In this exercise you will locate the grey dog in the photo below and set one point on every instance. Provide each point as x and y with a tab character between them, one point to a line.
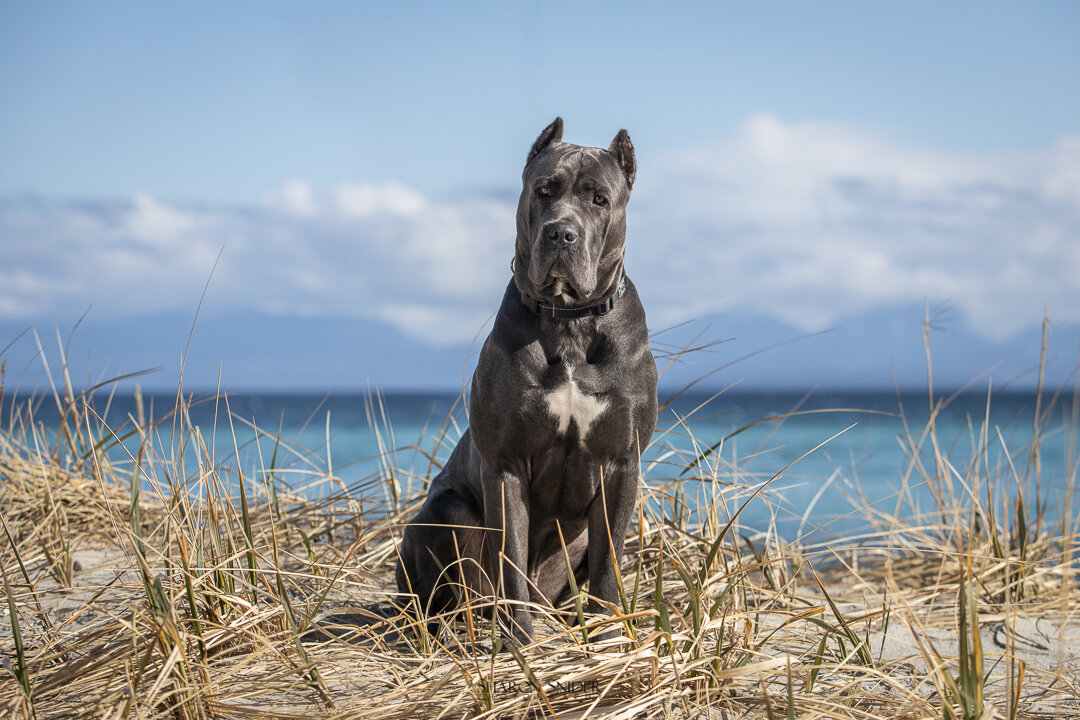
563	401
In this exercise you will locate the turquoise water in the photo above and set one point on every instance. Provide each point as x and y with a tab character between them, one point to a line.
351	438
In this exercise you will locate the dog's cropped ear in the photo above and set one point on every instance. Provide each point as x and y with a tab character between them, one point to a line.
623	150
552	134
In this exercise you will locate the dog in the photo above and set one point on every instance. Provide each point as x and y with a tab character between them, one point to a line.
563	401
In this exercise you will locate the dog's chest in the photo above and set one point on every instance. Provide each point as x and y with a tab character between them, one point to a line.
574	382
568	403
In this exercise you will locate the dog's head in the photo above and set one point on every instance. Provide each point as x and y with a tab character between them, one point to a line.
571	220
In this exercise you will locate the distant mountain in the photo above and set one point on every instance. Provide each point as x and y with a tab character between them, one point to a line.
260	352
880	349
251	351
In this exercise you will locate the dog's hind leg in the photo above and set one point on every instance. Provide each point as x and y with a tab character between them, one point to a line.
442	554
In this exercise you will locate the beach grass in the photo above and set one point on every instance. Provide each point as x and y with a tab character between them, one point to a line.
147	576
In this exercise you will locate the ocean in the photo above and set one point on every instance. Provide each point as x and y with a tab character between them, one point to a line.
835	453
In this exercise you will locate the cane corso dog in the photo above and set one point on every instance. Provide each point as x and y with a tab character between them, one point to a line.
563	401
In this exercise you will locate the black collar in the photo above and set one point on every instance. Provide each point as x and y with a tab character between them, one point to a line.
539	307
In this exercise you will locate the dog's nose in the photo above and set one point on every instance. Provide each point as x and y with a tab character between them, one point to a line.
561	232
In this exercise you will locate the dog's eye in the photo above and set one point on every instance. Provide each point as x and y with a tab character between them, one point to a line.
599	199
544	191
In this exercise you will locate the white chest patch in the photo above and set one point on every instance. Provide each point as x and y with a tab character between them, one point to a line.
567	403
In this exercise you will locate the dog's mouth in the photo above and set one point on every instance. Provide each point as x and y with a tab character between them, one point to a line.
560	275
557	284
560	288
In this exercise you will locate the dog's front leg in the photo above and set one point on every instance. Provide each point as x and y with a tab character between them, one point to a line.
608	522
506	511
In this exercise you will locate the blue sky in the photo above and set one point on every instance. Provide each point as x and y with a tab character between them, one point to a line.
802	167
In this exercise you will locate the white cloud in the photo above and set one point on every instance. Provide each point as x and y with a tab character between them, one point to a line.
814	223
807	223
384	252
152	222
1062	181
364	201
294	198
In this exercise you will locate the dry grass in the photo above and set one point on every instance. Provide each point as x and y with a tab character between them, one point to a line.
178	584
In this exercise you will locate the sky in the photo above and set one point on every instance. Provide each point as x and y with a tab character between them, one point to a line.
331	186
